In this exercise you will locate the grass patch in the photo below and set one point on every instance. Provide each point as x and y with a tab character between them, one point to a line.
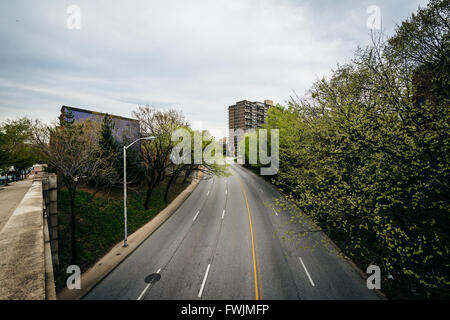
100	222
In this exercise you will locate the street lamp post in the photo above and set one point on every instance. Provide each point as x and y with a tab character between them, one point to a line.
125	243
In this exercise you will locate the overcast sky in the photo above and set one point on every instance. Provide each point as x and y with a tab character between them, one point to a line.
196	56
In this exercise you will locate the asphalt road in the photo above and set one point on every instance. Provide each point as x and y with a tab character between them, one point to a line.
226	242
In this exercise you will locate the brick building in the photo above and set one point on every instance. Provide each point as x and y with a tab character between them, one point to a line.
243	116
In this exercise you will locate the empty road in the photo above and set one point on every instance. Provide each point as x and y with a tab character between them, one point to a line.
224	242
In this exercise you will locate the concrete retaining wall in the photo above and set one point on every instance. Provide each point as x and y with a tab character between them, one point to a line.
50	192
26	270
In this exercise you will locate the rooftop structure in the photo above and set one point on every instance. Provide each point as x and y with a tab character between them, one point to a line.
123	127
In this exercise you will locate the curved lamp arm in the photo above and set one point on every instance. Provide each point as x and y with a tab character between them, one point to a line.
145	138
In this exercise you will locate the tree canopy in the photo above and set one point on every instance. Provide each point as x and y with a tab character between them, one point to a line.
365	155
15	146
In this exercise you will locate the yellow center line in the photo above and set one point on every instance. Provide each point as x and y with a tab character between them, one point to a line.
259	272
253	243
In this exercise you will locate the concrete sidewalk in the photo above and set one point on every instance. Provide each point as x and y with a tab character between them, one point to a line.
10	197
22	255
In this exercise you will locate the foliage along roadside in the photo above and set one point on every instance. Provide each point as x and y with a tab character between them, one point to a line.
365	155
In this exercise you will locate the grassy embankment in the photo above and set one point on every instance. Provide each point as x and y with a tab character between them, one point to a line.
100	221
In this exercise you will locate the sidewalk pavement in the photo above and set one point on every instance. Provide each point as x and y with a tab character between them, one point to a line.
10	197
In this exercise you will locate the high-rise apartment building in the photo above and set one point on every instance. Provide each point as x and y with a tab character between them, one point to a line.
243	116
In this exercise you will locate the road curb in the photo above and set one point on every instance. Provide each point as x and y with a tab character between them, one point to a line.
358	270
118	253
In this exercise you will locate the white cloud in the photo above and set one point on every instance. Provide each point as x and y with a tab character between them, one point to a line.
198	56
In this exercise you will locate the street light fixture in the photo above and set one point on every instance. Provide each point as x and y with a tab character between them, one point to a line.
125	243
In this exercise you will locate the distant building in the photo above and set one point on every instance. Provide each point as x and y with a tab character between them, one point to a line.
123	127
243	116
37	168
223	144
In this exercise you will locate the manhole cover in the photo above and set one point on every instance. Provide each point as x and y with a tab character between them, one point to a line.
152	278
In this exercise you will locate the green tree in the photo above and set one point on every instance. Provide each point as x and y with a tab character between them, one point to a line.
73	150
109	151
156	153
108	144
365	155
208	169
15	147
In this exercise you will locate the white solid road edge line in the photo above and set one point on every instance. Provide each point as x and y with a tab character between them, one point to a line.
146	287
307	273
204	281
207	193
275	211
196	215
223	214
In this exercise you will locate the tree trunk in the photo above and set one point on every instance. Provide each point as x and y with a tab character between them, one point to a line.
158	179
147	196
155	177
172	178
150	186
73	227
186	176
